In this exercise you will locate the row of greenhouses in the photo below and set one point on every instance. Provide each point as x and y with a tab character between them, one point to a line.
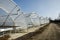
12	18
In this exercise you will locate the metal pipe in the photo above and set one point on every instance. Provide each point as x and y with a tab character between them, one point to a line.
8	16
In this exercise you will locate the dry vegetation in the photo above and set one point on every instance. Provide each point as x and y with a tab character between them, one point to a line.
5	37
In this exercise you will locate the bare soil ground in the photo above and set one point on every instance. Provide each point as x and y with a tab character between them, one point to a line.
50	32
26	32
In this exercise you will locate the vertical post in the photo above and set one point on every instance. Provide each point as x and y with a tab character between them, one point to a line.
3	32
40	20
10	32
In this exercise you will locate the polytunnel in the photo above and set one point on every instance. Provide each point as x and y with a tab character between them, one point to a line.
21	21
15	17
3	16
35	19
13	11
9	6
43	20
46	20
28	20
5	25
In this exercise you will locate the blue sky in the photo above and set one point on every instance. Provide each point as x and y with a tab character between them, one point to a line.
45	8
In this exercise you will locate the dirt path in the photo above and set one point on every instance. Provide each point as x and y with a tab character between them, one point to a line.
52	32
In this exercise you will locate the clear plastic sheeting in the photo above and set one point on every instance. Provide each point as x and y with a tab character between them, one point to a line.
9	21
43	20
5	29
21	21
46	20
2	12
11	14
9	6
35	19
58	18
28	20
3	16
